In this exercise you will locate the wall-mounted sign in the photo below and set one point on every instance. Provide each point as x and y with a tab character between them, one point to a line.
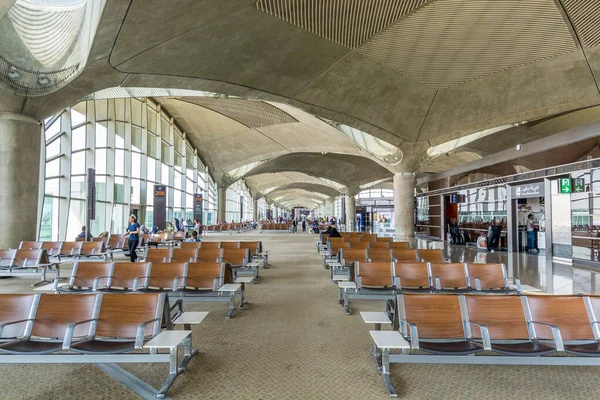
382	209
578	185
528	191
198	201
160	206
565	185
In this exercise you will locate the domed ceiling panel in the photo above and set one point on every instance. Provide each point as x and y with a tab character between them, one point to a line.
450	42
254	114
585	15
346	22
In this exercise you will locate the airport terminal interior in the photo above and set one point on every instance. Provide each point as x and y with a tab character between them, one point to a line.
299	199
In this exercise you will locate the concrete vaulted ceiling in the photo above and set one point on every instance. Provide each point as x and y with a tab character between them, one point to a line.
414	73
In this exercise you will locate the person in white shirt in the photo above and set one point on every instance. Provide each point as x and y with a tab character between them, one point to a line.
530	233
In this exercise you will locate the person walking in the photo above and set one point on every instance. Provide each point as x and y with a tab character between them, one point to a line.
304	225
133	232
530	233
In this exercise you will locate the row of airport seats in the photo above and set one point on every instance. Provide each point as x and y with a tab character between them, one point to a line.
228	227
101	329
27	263
286	226
76	249
384	280
464	329
183	281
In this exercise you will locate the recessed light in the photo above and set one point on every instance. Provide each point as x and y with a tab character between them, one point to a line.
323	152
43	80
14	74
518	147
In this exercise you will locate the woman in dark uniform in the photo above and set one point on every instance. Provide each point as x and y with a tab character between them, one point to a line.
133	231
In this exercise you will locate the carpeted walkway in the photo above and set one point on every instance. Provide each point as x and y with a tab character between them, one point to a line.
293	342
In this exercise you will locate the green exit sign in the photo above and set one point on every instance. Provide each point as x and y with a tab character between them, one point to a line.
578	185
565	185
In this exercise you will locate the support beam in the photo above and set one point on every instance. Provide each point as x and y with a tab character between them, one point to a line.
20	165
221	204
350	212
404	198
255	209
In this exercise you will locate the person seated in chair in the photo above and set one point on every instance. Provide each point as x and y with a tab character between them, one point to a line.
332	231
83	235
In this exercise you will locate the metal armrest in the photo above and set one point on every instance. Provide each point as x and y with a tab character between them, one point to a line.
176	281
397	283
71	330
477	284
485	334
358	282
438	284
519	287
96	282
139	337
414	334
2	325
558	342
136	282
55	284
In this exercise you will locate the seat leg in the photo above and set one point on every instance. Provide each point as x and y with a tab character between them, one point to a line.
385	373
232	307
346	303
340	299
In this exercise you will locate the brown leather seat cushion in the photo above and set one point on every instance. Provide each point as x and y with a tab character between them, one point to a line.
31	347
457	348
103	347
587	349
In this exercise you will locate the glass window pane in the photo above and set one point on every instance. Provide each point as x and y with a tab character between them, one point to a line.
101	161
52	187
119	190
53	168
120	135
177	181
152	147
53	149
49	222
136	139
178	162
78	163
78	114
53	129
120	109
101	188
76	218
135	191
165	130
136	112
120	162
101	109
150	194
151	117
166	153
149	216
136	165
78	187
78	138
118	220
101	134
178	142
99	224
151	169
165	174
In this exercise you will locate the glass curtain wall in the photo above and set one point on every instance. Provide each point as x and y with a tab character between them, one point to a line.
239	204
133	145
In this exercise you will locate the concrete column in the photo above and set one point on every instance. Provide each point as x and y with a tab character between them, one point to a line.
350	212
255	209
221	203
404	198
20	165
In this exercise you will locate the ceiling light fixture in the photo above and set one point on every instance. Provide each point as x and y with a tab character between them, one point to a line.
43	80
518	147
323	152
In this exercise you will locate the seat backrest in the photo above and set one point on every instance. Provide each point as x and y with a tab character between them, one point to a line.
451	276
100	239
437	316
229	245
159	255
385	239
335	240
431	255
28	245
91	248
7	257
405	255
336	246
178	235
324	237
84	274
56	312
16	307
28	257
379	255
120	315
254	247
567	312
379	245
116	242
52	248
375	274
399	245
359	245
184	255
210	255
125	273
353	255
412	274
368	237
209	245
163	275
71	248
190	245
490	276
236	256
503	315
202	275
